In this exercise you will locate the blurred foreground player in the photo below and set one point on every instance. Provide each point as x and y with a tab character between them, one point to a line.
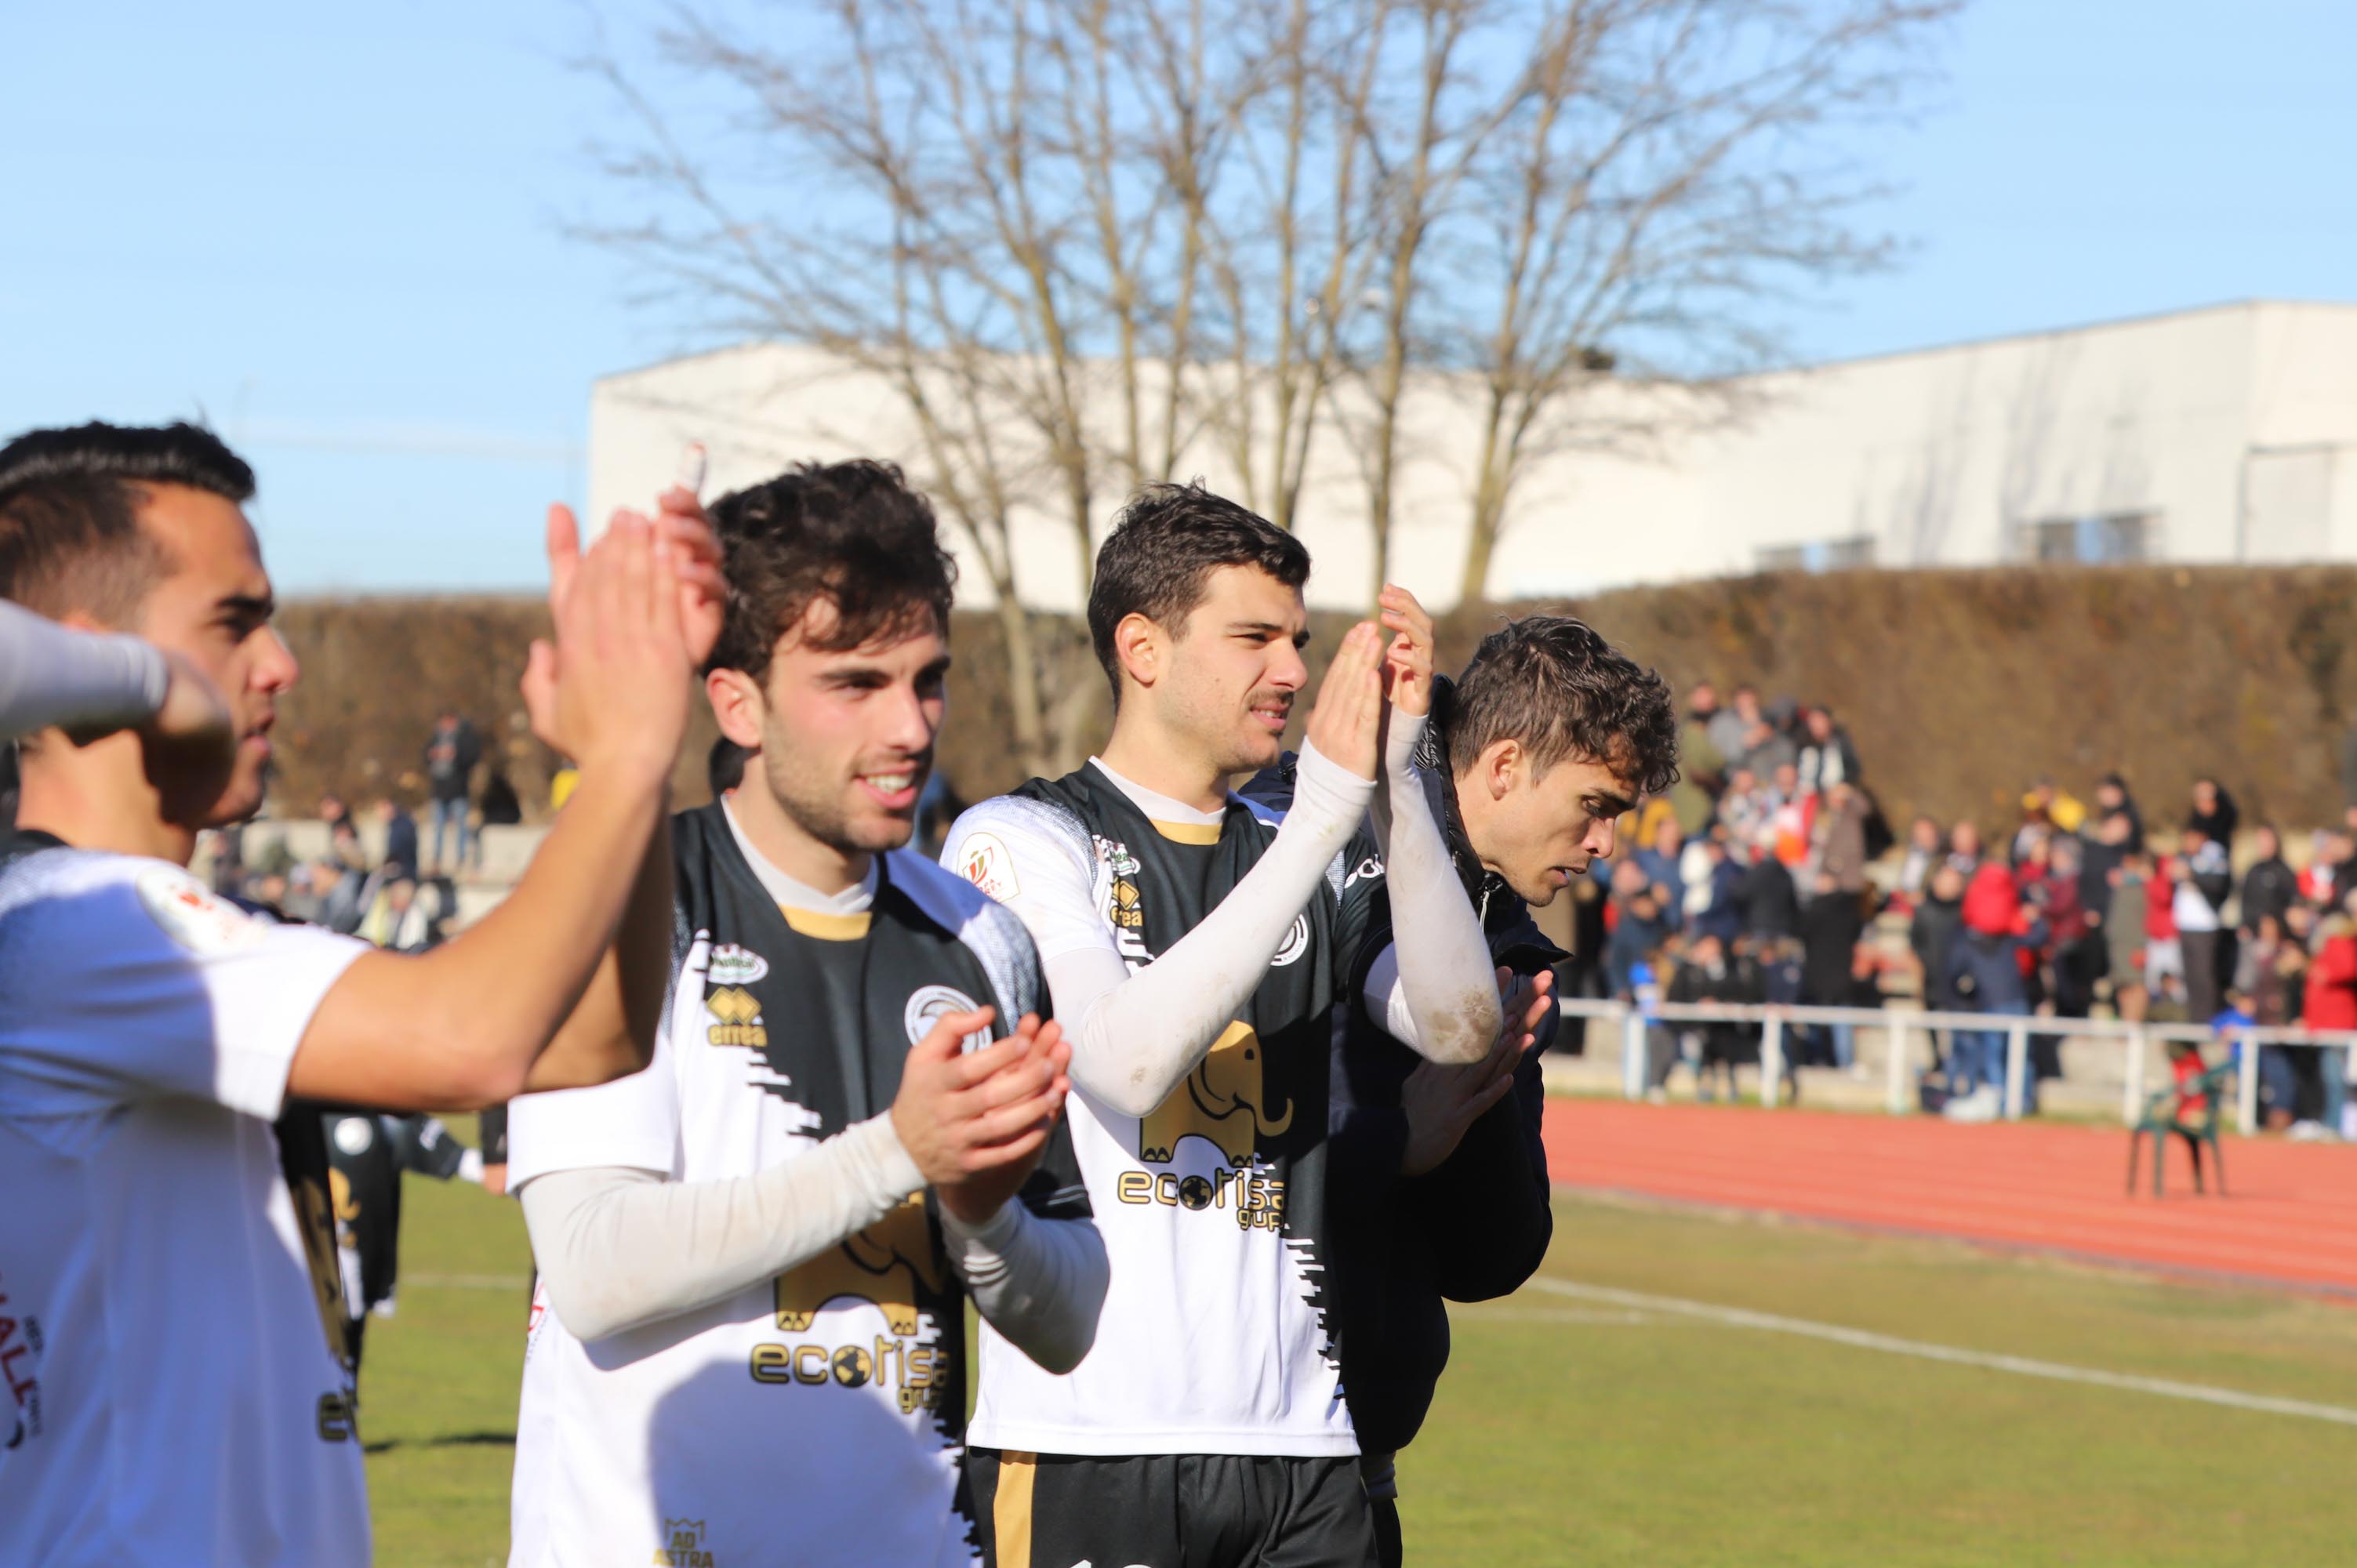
368	1154
1195	944
749	1343
1438	1183
150	1031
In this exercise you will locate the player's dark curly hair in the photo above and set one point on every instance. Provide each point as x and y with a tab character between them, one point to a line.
854	533
1550	682
1165	541
69	533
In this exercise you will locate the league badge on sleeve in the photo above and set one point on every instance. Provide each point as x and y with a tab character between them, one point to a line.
983	860
195	917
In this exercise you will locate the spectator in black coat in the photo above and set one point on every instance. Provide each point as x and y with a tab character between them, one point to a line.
1830	924
1827	759
451	753
2270	886
1709	972
2113	800
2214	813
2104	845
1932	936
400	839
1771	906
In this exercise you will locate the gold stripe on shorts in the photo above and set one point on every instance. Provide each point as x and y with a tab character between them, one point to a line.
1010	1510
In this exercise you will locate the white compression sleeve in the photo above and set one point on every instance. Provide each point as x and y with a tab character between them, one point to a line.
1138	1036
52	674
1446	991
619	1248
1040	1283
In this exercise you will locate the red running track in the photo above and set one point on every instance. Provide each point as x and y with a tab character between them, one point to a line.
2291	1218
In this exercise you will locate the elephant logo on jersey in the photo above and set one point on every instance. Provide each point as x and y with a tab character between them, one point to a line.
1223	1100
885	1265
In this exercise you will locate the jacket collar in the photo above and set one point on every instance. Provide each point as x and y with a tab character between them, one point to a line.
1485	888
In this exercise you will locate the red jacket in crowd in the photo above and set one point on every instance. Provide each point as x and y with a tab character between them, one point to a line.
2332	1001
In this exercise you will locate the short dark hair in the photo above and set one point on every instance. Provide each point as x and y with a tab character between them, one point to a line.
1552	684
853	533
69	533
1165	541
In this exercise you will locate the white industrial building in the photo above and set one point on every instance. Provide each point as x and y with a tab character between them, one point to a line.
2227	434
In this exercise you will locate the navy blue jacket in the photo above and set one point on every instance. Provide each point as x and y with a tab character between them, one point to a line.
1472	1229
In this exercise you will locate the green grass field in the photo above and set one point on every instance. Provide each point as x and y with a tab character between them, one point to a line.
1573	1431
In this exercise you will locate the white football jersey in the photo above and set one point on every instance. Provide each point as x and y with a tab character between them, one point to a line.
815	1419
1214	1337
172	1349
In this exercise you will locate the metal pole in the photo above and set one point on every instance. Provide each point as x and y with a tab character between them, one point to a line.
1894	1085
2132	1096
2247	1088
1772	1059
2016	1067
1632	1053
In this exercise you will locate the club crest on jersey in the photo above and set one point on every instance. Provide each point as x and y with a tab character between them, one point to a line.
736	1018
1225	1099
733	965
929	1003
984	861
1296	943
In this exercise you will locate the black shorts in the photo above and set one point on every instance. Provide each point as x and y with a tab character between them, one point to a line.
1170	1510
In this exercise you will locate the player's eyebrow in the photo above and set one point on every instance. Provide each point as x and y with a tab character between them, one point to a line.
1610	805
254	607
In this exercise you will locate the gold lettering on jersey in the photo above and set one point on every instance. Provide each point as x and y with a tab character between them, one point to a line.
1256	1200
890	1266
1223	1100
684	1546
736	1018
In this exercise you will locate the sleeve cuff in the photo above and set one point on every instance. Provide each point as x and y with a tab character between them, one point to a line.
1327	788
993	1235
893	1174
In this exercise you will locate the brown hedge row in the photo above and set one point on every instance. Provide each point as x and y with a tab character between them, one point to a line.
1958	687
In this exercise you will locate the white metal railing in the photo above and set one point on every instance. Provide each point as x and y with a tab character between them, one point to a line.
1901	1021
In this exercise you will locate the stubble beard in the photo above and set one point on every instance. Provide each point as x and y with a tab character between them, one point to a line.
824	814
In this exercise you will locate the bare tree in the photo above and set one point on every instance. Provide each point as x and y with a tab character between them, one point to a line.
1014	214
1091	244
1663	177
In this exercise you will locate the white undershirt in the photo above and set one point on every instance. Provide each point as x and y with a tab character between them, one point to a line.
1435	991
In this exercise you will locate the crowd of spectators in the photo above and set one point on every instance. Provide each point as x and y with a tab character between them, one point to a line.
405	896
1755	880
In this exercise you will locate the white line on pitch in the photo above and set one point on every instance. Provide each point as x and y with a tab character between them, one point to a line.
467	1281
2021	1366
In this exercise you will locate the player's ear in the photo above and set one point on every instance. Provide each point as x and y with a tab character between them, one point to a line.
1501	766
1142	647
738	705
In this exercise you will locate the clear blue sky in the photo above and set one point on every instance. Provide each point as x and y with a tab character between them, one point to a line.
335	232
